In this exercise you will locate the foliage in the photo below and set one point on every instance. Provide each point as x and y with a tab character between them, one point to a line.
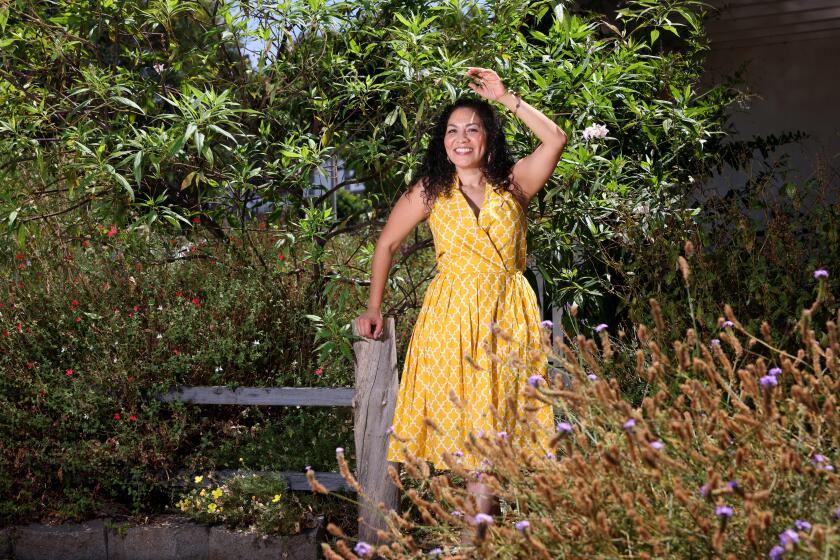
146	114
253	501
93	330
729	454
756	248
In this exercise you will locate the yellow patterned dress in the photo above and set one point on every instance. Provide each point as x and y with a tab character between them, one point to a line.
479	284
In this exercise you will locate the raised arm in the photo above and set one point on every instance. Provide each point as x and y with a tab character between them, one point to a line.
532	171
407	213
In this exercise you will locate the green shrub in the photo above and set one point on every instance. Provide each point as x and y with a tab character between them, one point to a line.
94	328
244	501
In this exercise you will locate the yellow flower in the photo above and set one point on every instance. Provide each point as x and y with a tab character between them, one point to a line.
198	479
276	498
202	493
212	508
217	493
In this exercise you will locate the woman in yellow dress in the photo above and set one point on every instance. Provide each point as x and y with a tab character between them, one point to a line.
474	197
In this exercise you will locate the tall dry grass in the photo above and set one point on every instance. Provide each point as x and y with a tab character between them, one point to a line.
731	454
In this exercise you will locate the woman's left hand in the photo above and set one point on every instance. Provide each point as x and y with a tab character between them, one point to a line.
486	83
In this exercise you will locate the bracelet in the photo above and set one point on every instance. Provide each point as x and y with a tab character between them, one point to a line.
518	102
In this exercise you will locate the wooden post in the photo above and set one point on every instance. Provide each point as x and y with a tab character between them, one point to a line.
373	414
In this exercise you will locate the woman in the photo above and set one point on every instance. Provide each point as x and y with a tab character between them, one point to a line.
474	197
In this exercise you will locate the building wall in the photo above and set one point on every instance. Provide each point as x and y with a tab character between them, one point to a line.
790	52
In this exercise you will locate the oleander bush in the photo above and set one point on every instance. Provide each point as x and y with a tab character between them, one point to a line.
730	453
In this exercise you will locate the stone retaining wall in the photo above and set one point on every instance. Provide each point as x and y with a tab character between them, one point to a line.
163	538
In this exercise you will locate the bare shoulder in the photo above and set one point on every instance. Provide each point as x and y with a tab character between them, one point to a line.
415	196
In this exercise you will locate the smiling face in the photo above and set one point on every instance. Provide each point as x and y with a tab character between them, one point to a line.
465	139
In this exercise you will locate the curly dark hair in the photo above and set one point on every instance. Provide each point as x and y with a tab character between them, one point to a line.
436	172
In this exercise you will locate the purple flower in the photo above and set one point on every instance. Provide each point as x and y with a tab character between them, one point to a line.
724	511
775	371
547	324
501	435
522	525
820	273
592	377
339	450
628	425
483	518
727	324
818	458
837	513
802	525
600	327
775	553
535	380
435	552
704	489
362	548
733	484
456	513
564	427
768	381
458	454
788	536
657	444
389	431
715	342
550	456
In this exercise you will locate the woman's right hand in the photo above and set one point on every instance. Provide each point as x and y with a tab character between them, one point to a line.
369	324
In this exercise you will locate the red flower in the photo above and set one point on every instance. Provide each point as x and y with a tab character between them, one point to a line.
113	231
68	372
130	379
78	319
29	365
5	333
117	416
136	308
74	303
281	256
176	352
20	327
19	257
319	371
196	301
133	418
85	243
130	314
179	294
196	220
22	266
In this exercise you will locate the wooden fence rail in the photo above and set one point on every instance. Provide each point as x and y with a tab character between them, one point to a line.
373	400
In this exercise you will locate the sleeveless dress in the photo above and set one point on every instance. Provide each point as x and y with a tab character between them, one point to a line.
479	284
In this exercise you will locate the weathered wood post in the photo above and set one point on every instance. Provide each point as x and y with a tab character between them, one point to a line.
373	414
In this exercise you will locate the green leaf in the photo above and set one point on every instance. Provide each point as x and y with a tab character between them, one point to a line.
654	35
128	103
138	167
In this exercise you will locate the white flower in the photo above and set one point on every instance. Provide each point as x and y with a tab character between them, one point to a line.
595	131
256	343
159	68
159	336
218	369
160	308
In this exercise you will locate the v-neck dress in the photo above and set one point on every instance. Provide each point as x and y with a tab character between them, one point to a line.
478	300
